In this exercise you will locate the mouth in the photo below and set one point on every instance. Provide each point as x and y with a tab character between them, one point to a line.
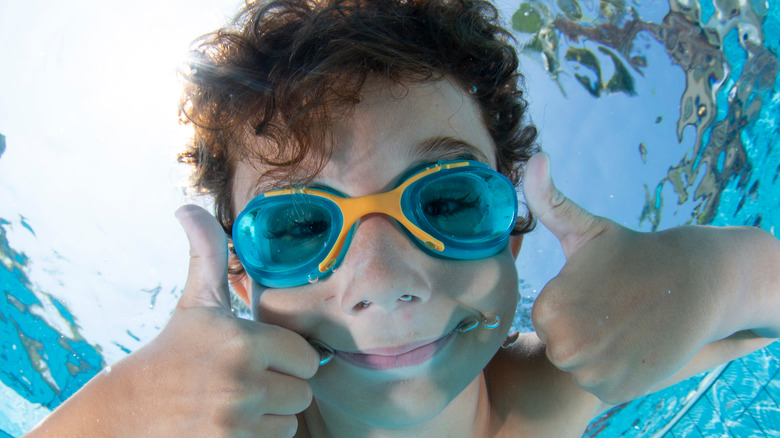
386	358
396	357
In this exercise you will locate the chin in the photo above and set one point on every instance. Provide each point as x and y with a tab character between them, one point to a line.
392	404
407	396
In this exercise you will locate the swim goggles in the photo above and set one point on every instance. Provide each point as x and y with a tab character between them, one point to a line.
461	210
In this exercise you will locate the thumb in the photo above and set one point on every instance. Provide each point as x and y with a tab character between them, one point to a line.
571	224
206	284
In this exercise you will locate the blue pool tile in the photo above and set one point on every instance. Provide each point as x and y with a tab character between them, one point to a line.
685	428
744	384
774	348
772	354
706	419
773	388
762	363
745	427
725	402
766	414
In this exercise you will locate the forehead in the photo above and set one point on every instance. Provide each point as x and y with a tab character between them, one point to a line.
392	128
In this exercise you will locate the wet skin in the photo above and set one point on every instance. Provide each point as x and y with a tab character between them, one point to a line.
390	131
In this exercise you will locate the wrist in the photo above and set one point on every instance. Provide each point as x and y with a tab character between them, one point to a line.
754	264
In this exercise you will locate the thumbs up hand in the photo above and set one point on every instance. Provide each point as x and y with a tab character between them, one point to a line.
210	374
628	309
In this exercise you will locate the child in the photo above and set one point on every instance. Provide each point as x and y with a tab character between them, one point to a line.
405	118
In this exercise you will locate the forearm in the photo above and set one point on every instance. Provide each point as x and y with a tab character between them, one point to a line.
92	411
744	283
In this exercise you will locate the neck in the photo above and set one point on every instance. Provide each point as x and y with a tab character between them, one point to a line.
467	415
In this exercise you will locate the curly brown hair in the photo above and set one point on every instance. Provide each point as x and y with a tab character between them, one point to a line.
282	70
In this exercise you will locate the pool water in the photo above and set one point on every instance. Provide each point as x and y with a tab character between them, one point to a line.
655	114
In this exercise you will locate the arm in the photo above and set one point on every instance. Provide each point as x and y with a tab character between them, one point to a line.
634	312
81	414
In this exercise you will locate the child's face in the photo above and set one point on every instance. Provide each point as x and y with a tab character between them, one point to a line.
379	142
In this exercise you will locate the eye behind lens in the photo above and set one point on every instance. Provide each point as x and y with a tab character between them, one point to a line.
471	210
281	240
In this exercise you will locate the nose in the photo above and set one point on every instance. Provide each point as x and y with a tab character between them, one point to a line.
383	268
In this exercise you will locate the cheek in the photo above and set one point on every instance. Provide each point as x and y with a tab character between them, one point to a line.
504	296
488	284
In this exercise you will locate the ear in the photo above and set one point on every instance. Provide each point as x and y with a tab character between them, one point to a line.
515	242
242	285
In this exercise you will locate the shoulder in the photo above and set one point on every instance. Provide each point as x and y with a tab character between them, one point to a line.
528	393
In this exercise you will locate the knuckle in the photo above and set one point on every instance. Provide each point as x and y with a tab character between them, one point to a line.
540	312
262	395
544	308
556	200
238	344
546	313
563	358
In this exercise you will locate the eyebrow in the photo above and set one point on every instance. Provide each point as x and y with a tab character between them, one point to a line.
446	148
267	184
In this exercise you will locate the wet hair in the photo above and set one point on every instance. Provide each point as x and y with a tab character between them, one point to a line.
282	71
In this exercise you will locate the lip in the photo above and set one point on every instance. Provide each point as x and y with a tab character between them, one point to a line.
396	357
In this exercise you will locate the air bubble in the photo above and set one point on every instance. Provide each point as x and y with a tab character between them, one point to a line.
491	321
326	353
467	325
511	339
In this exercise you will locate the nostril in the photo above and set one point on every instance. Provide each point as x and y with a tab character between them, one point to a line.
362	305
365	304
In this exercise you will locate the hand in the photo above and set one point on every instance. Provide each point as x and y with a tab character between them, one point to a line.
208	373
628	309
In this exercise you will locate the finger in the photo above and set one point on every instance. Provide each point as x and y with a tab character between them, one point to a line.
250	425
206	284
286	352
569	222
281	426
277	394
